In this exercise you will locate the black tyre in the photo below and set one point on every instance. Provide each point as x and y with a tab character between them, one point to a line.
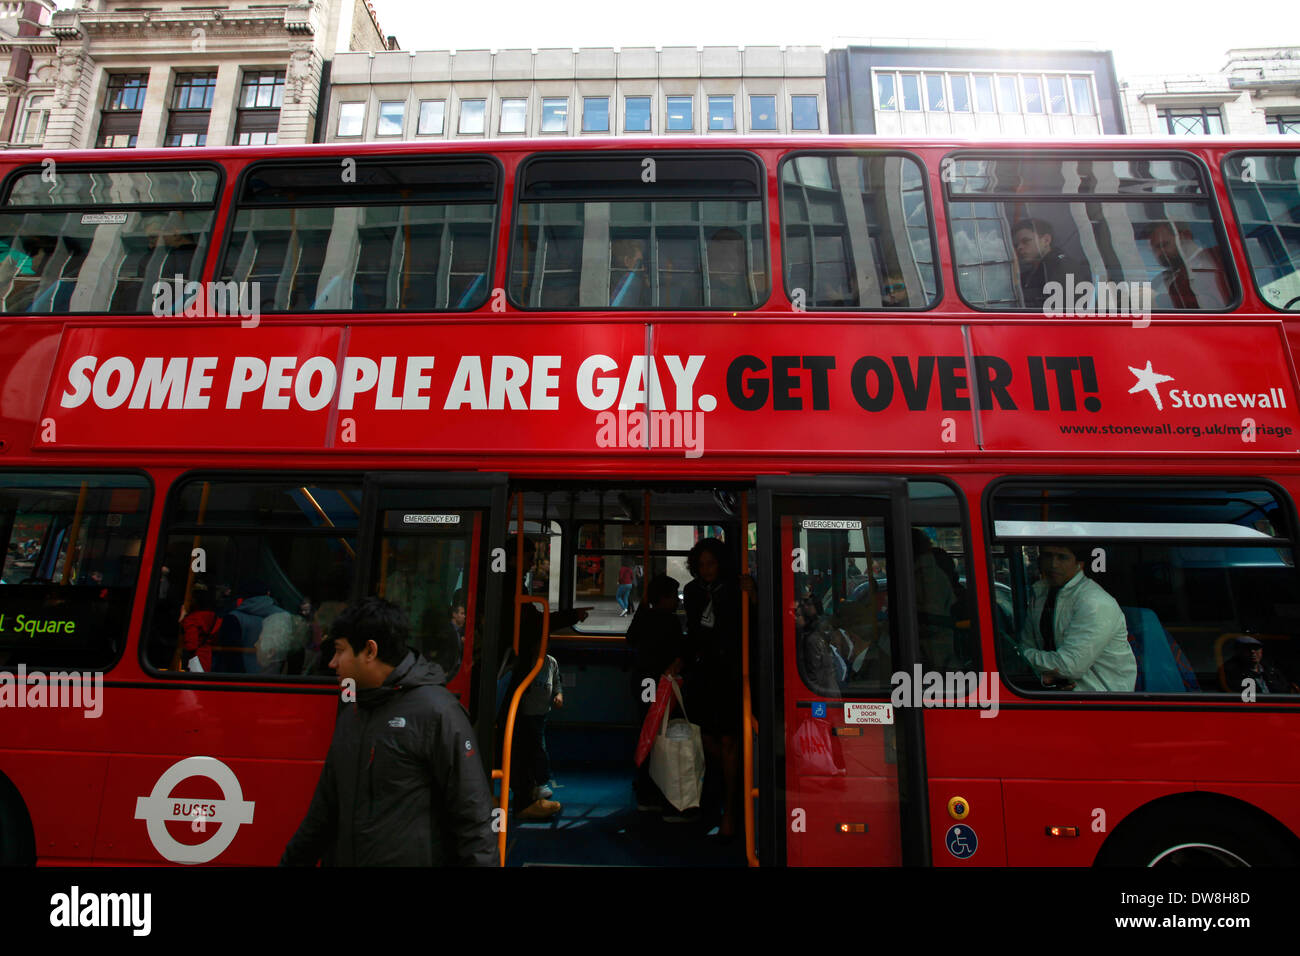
1181	839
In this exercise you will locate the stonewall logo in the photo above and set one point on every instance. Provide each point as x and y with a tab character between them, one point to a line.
1149	380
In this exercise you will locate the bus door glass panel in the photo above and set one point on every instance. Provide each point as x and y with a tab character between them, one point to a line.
430	561
843	739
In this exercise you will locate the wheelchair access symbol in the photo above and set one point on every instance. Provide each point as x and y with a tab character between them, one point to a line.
962	842
228	812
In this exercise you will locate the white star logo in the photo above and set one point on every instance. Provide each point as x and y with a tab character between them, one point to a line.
1147	380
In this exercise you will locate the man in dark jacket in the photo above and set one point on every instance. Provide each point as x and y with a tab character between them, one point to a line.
403	783
1041	264
655	636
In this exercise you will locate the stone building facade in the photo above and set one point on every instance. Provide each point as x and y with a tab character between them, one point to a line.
114	74
1257	93
477	94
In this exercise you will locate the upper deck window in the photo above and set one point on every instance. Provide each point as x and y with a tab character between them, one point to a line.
98	240
856	232
1082	235
1265	191
612	232
385	235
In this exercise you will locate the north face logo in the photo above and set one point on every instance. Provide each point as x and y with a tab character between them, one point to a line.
397	722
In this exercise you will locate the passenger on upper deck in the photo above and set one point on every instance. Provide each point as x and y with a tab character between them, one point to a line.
1040	263
629	285
1194	277
1074	634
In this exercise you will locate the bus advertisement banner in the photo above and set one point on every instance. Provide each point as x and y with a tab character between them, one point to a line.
706	388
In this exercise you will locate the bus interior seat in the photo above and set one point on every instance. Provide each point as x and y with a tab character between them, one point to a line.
1162	666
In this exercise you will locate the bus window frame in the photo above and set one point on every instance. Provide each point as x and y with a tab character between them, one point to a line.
588	155
222	248
1241	236
1193	700
36	468
1210	196
167	522
7	185
939	289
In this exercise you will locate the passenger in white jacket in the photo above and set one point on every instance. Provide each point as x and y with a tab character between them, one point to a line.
1084	641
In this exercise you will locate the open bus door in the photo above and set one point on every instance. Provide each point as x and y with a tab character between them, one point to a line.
427	545
841	771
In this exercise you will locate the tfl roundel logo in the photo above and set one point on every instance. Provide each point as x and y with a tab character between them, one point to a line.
225	814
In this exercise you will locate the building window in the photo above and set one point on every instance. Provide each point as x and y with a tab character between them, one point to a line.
934	98
636	118
352	119
1056	100
120	123
555	116
804	113
911	84
433	114
1033	94
1081	87
984	94
1200	121
392	114
680	119
762	112
1284	124
514	116
36	118
722	112
1008	98
471	116
885	96
191	107
257	120
960	93
595	114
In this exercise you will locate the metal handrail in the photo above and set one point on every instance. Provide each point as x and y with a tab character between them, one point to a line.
508	741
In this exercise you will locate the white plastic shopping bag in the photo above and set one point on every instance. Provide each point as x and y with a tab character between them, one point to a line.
677	760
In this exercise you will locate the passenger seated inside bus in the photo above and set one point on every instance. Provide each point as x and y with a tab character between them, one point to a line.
1248	664
1042	263
1193	276
629	285
1074	635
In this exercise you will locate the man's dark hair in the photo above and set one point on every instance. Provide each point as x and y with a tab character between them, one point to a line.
374	619
458	599
1081	550
1039	226
661	586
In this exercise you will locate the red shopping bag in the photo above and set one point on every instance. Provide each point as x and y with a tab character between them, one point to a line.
663	699
816	751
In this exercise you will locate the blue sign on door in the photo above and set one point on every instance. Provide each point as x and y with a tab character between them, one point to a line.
819	708
961	841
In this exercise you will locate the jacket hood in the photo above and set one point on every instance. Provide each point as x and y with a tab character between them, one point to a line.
414	671
261	606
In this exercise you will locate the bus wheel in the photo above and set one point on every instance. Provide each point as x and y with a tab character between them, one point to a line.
17	842
1204	833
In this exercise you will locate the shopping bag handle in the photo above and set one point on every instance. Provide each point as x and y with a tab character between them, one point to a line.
677	692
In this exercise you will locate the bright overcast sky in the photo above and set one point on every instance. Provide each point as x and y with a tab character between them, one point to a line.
1146	38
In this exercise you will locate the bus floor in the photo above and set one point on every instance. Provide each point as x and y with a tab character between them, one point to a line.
601	826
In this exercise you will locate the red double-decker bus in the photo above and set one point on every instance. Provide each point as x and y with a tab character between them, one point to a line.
897	379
